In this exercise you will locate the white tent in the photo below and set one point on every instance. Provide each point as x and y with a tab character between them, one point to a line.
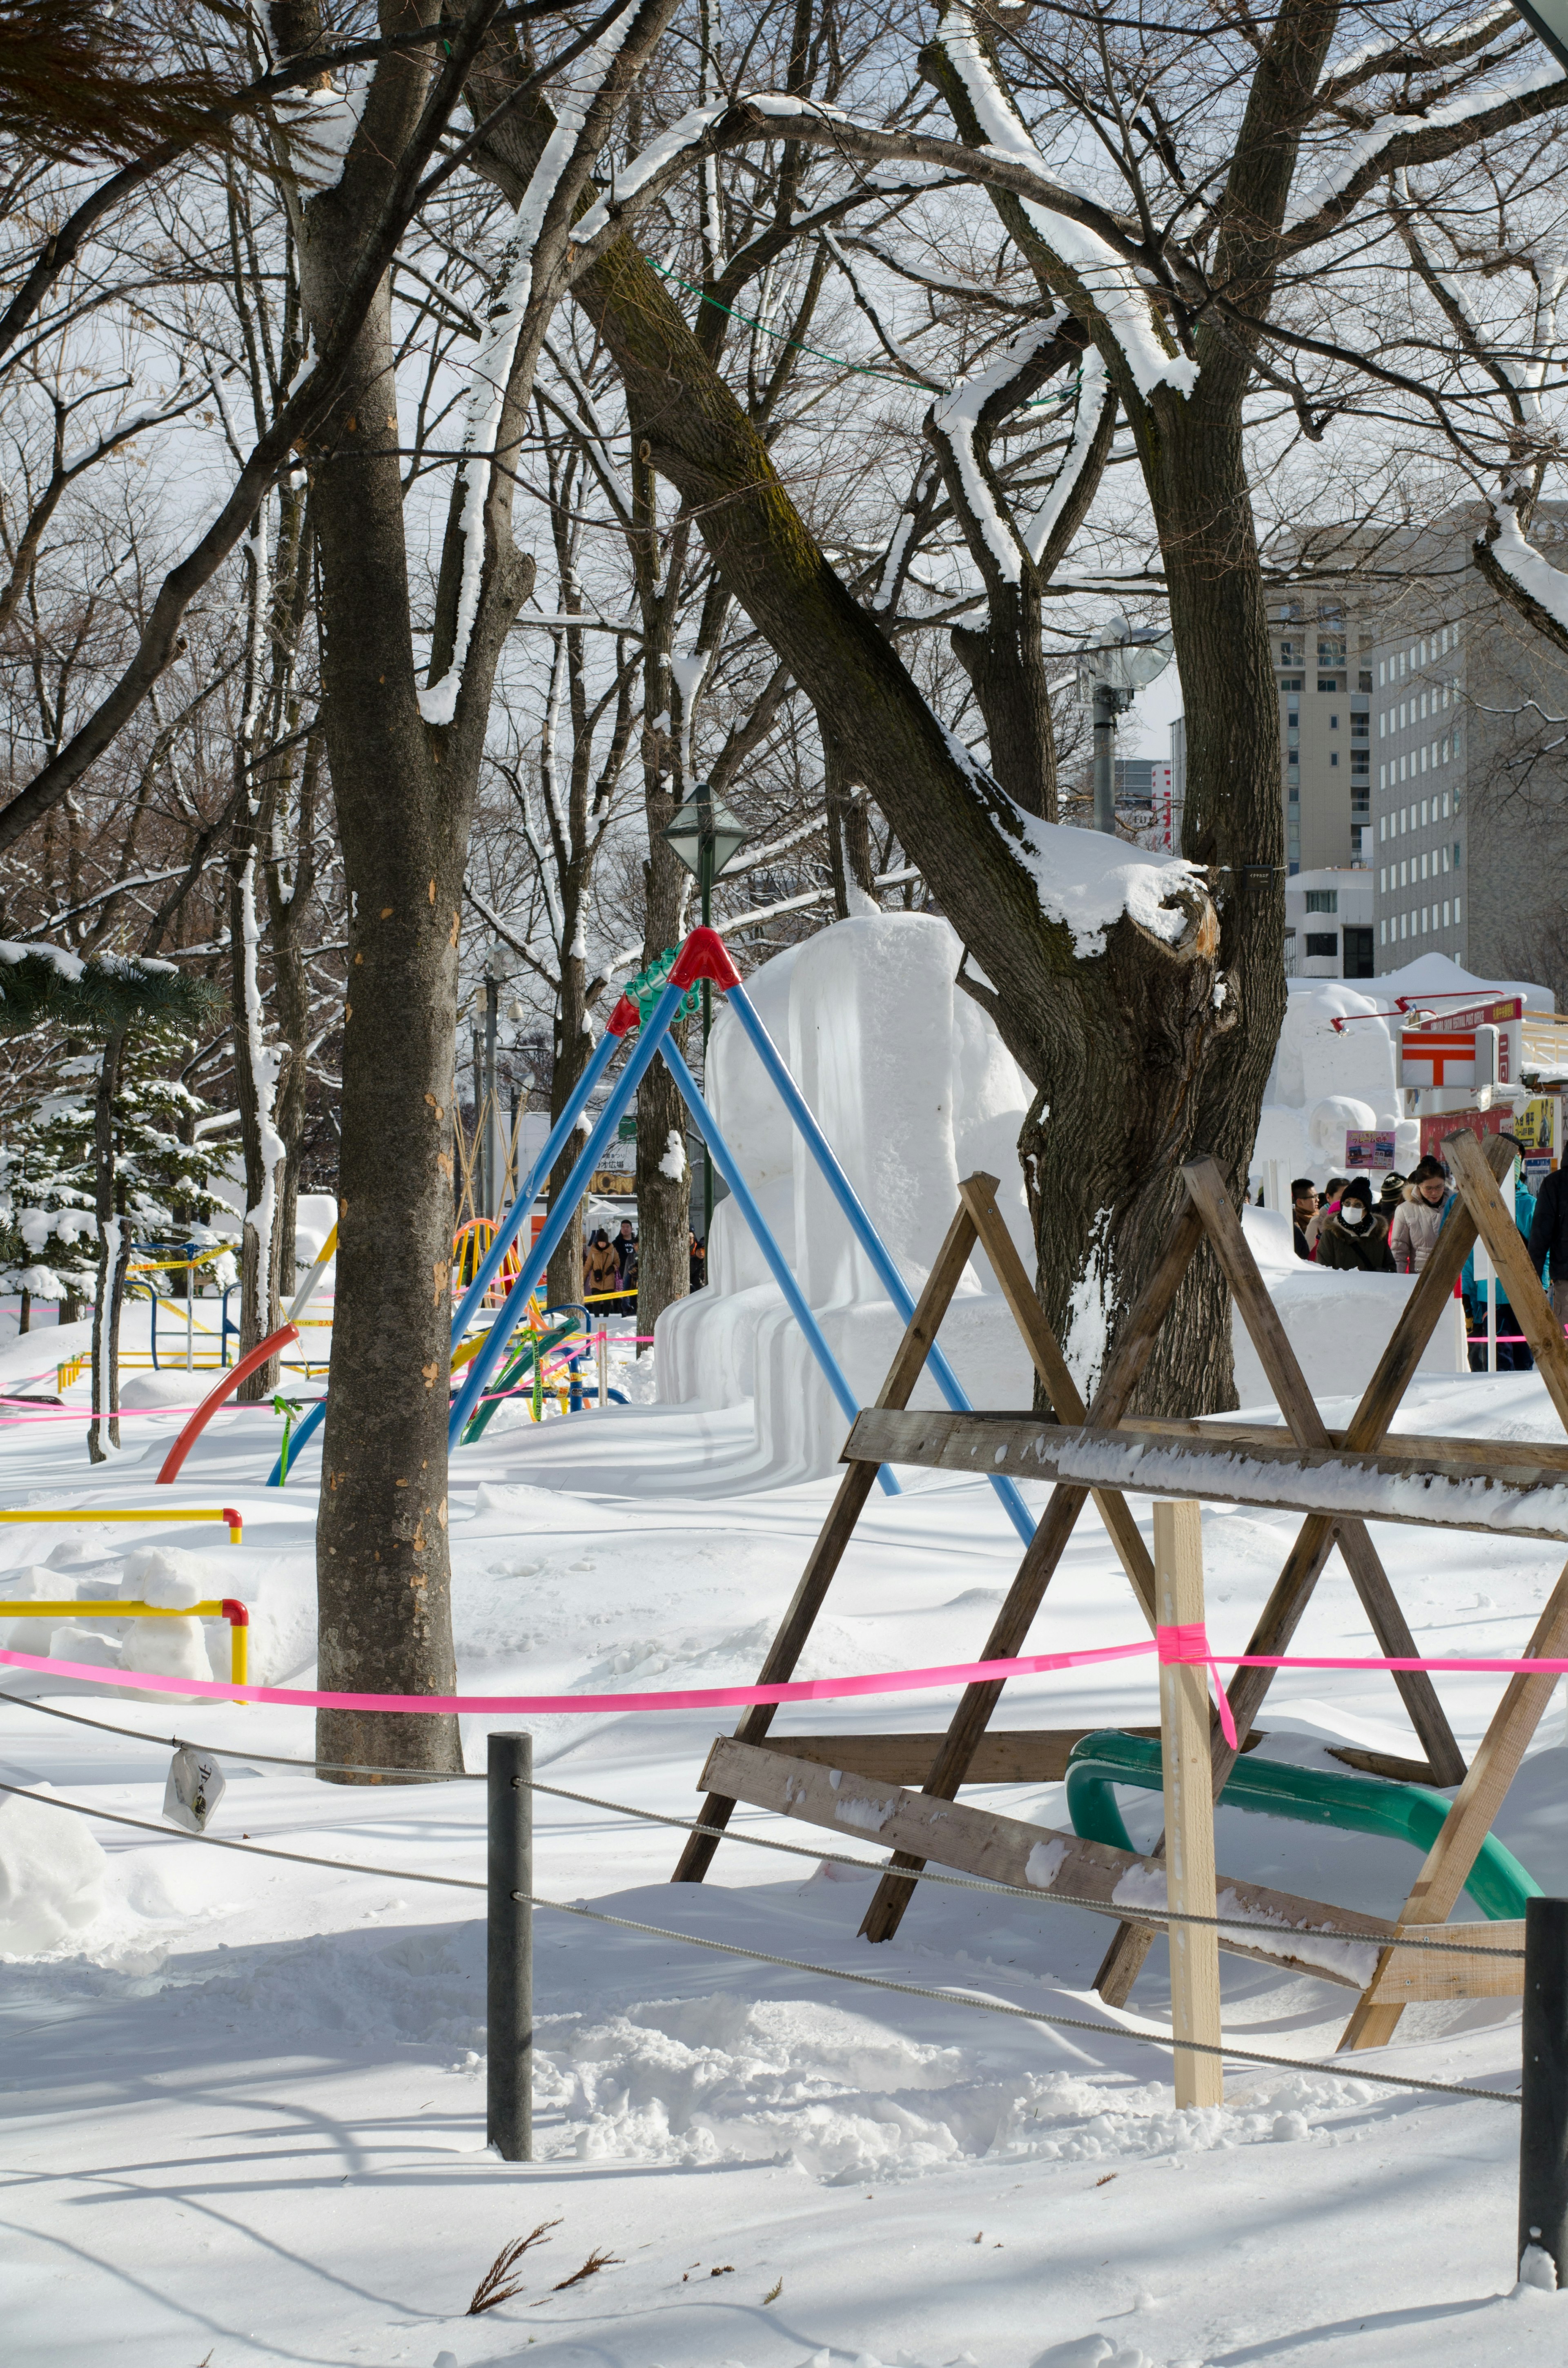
1436	976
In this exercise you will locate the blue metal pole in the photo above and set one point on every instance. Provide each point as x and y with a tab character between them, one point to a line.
484	1360
718	1150
604	1053
860	1225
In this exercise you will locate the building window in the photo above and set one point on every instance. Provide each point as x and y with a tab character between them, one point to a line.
1382	671
1445	858
1291	653
1382	777
1404	875
1322	941
1333	756
1360	727
1423	813
1383	880
1458	900
1447	908
1403	820
1404	925
1289	682
1323	900
1383	933
1328	682
1361	763
1382	723
1333	722
1445	805
1402	768
1358	953
1422	867
1383	819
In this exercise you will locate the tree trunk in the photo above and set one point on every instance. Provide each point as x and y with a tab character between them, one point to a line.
114	1252
564	1280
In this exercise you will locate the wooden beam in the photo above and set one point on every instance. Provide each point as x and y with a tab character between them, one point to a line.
1449	1862
863	1813
978	1194
1399	1447
1520	1284
1190	1809
1003	1756
1123	1370
795	1628
1315	1540
1418	1976
1308	1429
1466	1494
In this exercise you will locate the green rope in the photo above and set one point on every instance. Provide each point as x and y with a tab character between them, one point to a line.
862	370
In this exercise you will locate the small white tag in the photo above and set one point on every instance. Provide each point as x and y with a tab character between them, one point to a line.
194	1789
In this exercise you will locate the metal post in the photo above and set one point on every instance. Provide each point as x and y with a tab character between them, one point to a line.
1543	2095
1105	757
492	1100
509	1952
705	884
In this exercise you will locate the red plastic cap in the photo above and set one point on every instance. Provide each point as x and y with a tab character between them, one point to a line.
704	955
624	1018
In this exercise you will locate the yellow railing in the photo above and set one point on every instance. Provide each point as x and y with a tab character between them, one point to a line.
229	1608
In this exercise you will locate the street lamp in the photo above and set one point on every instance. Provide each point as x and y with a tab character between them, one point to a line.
706	838
1112	671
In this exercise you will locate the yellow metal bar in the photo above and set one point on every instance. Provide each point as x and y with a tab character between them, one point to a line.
224	1513
114	1608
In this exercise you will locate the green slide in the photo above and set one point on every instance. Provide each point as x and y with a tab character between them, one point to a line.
1408	1813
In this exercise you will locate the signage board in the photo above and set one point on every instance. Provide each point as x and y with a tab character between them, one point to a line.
626	1130
1537	1125
1480	1123
1538	1167
1475	1014
1365	1147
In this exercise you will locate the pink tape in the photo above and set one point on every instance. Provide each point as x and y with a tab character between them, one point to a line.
888	1681
892	1681
1187	1642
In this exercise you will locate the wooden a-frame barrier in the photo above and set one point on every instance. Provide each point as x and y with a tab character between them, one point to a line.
1086	1452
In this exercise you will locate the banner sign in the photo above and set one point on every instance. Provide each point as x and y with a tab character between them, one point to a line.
1480	1123
1536	1125
1365	1147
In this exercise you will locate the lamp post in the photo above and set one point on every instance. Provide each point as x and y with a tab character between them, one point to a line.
1111	672
706	838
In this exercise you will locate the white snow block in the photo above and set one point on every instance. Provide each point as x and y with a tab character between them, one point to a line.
1338	1326
51	1876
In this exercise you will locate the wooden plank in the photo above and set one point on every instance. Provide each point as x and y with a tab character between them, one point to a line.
1467	1823
978	1194
1522	1285
1123	1372
799	1620
1314	1542
1288	1478
1399	1447
1207	1185
1003	1756
1418	1976
863	1813
1190	1809
1423	1311
1382	1763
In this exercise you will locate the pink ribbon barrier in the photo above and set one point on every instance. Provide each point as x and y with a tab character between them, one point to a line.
892	1681
1187	1644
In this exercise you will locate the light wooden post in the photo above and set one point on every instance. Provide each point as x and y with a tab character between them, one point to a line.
1189	1807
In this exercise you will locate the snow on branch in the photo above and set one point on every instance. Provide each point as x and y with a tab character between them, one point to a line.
497	351
1110	282
1365	155
957	420
1513	567
1086	420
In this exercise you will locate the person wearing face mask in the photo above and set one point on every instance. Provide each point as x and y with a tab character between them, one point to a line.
1420	1216
1353	1237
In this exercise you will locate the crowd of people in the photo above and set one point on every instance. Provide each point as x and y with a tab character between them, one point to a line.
609	1266
1343	1227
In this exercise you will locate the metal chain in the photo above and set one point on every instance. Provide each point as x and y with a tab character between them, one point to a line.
765	1957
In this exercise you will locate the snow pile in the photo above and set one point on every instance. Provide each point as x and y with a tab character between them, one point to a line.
173	1578
914	1089
1090	882
51	1876
1325	1080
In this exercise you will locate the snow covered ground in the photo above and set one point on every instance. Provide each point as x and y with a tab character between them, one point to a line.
243	2101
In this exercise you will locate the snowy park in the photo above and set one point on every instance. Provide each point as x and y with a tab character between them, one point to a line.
783	1209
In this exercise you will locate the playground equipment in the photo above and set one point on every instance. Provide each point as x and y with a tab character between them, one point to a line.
248	1365
1338	1482
227	1514
227	1608
703	958
1315	1796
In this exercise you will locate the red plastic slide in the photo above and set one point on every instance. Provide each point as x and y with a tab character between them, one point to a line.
227	1383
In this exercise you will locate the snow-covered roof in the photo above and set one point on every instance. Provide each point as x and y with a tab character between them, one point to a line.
1435	974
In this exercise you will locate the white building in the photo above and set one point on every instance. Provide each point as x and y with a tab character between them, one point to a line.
1330	924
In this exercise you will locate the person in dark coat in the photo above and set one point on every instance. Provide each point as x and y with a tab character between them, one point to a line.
1549	1240
1303	1208
1353	1237
697	1255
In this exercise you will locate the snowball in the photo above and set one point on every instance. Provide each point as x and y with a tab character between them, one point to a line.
171	1576
51	1876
